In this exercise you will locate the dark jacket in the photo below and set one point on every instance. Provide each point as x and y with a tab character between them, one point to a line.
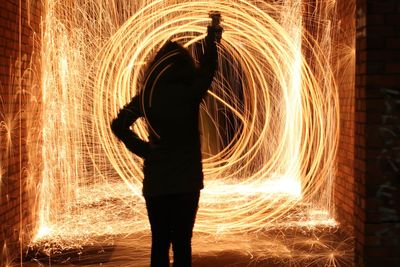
170	102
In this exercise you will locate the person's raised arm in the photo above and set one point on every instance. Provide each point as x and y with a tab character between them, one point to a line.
209	59
120	126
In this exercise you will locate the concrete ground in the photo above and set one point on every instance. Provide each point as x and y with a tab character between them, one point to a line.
284	247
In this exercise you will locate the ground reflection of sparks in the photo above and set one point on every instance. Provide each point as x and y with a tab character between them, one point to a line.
270	124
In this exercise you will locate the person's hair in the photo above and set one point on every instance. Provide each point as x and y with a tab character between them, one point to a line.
172	63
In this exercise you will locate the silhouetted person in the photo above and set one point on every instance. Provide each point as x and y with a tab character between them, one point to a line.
173	177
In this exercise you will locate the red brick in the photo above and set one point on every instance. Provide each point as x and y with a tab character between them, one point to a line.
361	44
380	251
375	42
392	68
361	117
372	241
383	55
392	19
376	67
381	7
361	68
382	261
362	56
376	19
393	43
381	81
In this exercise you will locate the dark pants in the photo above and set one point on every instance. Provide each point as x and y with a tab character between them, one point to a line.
172	219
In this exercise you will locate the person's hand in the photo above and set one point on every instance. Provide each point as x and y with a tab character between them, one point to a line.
215	32
215	29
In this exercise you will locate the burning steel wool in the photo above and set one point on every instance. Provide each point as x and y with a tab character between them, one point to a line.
269	124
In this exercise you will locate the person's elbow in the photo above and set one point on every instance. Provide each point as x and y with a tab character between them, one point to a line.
117	128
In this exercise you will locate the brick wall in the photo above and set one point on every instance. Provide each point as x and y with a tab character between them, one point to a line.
377	120
344	56
19	20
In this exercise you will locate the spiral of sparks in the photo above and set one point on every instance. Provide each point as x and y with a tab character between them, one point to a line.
269	123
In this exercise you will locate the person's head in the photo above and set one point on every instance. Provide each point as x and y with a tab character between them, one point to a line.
172	64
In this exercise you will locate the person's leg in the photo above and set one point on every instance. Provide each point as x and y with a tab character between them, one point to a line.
184	215
157	210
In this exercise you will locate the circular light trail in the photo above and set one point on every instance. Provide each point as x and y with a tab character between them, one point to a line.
269	122
286	143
